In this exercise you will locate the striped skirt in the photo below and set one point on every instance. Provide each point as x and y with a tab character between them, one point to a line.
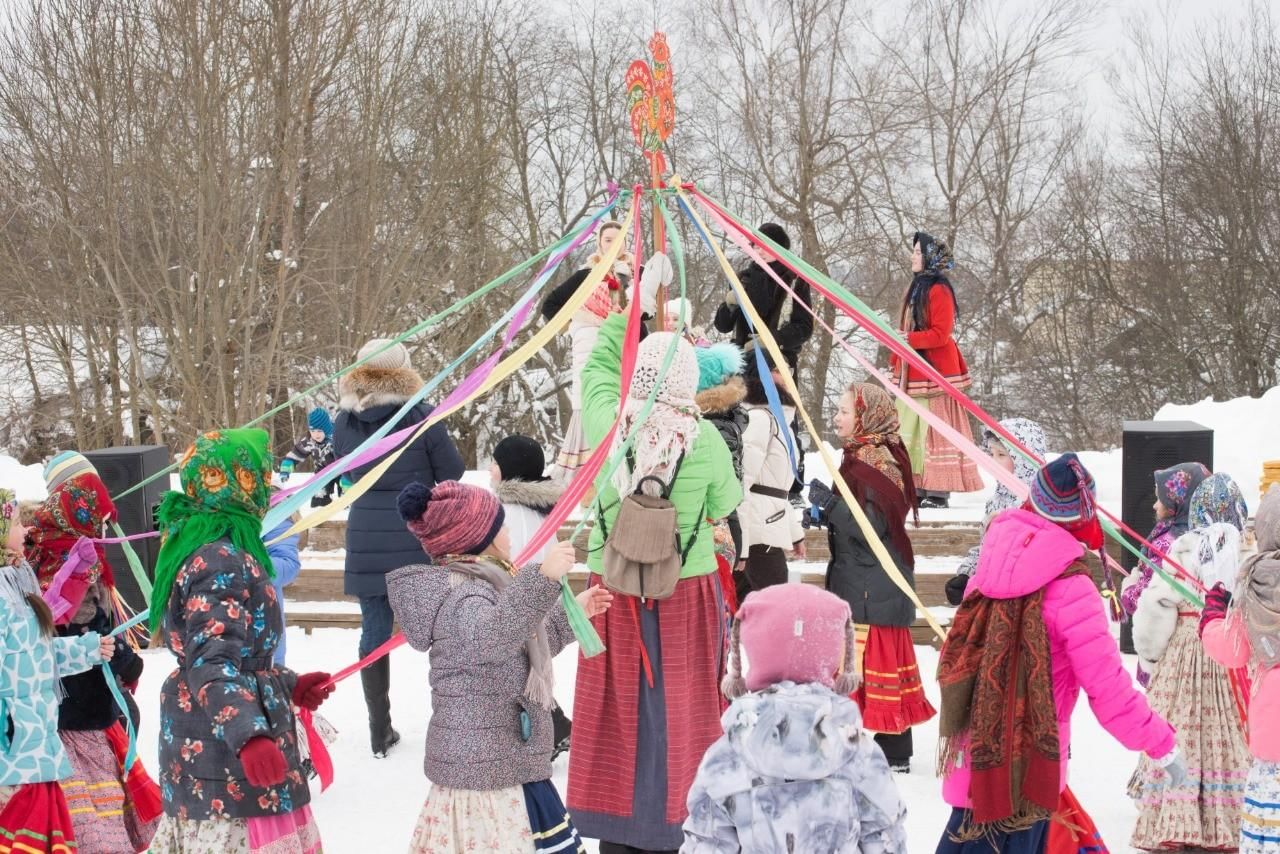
938	465
1260	825
34	820
891	696
104	817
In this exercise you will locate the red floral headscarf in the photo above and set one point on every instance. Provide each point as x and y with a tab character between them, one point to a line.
77	508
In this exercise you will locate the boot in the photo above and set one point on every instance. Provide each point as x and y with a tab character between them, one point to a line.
376	681
561	728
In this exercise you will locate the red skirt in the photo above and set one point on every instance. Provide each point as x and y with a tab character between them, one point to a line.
891	696
36	819
602	763
1072	831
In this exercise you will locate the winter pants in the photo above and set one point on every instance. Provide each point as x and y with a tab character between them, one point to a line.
376	620
766	566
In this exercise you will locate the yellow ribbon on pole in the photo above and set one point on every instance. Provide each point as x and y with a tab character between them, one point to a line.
500	372
771	346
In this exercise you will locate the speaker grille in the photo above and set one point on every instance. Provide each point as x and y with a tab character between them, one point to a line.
1148	447
120	469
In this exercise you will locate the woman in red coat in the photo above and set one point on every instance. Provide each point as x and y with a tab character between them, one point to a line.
928	323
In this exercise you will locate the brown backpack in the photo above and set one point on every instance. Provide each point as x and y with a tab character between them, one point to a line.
642	554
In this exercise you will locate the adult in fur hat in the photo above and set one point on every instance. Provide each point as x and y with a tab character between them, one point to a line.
928	320
377	541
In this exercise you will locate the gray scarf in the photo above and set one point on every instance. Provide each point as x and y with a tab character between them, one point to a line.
539	687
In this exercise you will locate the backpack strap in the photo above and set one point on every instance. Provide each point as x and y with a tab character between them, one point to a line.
693	538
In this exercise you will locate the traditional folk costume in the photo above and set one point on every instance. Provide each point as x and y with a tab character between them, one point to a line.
928	321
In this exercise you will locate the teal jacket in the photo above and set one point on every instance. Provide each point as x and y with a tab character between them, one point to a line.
31	663
706	477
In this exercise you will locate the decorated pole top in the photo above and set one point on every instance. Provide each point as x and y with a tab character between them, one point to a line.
651	106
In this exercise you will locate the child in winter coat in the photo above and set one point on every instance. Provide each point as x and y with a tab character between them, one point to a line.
316	446
112	811
1031	435
1174	488
794	770
33	811
876	468
491	631
1031	633
287	563
1244	630
770	525
528	496
1193	692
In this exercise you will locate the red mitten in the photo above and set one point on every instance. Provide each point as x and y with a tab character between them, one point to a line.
263	762
311	691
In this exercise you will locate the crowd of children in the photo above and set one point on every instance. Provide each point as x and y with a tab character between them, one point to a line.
777	730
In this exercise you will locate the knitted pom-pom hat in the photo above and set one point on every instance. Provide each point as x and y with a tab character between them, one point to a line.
792	633
681	382
717	363
1064	491
65	466
451	518
318	419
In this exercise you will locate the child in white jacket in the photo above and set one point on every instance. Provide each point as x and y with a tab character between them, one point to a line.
794	771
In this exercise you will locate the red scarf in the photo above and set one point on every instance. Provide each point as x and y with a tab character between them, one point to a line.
77	508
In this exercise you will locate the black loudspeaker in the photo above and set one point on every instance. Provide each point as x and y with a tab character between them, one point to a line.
1148	447
121	469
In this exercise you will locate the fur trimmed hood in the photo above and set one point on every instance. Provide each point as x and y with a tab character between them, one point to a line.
722	398
538	495
367	387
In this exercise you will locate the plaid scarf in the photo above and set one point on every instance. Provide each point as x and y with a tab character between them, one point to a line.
996	678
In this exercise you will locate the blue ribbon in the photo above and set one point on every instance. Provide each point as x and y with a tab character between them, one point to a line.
113	686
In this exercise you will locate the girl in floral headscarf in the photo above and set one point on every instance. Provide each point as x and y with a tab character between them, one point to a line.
878	473
232	773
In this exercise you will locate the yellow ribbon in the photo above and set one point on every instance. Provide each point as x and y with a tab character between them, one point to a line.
500	372
780	364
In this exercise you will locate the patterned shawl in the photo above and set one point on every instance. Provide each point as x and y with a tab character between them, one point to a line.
876	466
78	507
995	672
1174	488
1218	499
672	425
225	479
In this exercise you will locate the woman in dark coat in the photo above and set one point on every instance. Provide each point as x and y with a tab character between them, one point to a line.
876	468
377	541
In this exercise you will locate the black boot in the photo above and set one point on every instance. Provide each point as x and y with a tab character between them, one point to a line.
376	681
561	729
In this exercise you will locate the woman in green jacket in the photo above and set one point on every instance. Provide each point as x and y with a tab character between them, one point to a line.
648	708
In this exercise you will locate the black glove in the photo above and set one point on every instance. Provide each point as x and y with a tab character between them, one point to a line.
956	587
821	500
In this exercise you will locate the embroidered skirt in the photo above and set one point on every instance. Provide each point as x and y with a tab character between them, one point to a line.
644	713
105	818
528	819
291	833
34	820
1260	821
1193	693
938	465
891	696
1076	833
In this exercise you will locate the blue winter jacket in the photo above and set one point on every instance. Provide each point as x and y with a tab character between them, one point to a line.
287	564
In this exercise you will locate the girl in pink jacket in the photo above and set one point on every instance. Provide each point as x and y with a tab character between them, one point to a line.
1031	634
1250	635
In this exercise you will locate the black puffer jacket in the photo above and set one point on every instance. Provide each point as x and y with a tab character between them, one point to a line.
722	406
854	573
377	540
89	704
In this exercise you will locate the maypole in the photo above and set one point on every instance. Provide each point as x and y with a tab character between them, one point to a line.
651	104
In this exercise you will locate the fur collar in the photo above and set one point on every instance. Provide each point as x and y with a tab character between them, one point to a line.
723	397
366	387
538	495
756	395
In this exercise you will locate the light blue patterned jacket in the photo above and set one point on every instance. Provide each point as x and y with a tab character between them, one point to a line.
31	663
794	771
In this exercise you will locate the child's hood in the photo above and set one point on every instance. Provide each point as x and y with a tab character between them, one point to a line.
794	732
1022	552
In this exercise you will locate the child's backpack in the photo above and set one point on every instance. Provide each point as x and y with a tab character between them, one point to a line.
642	554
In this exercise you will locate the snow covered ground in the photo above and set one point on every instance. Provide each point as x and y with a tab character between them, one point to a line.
373	804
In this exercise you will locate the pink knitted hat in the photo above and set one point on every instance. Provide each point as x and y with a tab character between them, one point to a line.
796	633
451	518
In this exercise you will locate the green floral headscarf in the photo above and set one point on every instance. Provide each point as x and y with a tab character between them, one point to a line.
225	487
